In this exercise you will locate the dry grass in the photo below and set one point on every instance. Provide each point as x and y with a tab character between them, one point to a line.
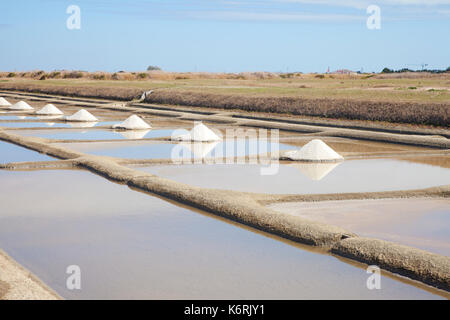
129	76
373	97
125	94
414	113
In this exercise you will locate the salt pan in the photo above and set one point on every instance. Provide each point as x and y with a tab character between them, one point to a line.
315	171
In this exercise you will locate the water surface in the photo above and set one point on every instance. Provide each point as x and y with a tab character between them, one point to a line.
421	223
132	245
165	150
49	123
13	153
96	134
309	178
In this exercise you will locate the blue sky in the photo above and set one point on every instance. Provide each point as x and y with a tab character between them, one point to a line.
224	36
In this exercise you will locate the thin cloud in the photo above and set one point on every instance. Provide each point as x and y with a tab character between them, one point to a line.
361	4
275	10
260	16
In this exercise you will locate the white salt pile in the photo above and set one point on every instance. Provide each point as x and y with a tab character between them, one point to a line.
315	171
200	133
315	150
4	102
132	123
21	105
82	116
50	109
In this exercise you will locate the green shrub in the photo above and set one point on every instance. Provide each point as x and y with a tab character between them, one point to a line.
287	75
99	77
54	74
11	75
73	75
153	68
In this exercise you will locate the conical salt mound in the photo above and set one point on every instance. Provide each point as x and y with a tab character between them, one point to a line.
133	123
4	102
315	171
200	133
50	109
315	150
81	115
21	105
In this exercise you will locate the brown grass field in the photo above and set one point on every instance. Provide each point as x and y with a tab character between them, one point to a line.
413	98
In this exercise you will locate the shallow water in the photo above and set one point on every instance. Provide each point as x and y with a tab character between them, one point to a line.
18	118
13	153
49	123
309	178
132	245
96	134
421	223
18	124
155	150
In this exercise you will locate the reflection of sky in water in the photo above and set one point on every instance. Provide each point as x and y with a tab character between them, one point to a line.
19	124
17	118
422	223
12	153
96	134
132	245
348	176
164	150
33	124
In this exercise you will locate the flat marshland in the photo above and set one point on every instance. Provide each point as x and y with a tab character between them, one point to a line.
408	98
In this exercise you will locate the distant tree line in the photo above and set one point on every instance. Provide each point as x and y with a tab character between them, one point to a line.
387	70
153	68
